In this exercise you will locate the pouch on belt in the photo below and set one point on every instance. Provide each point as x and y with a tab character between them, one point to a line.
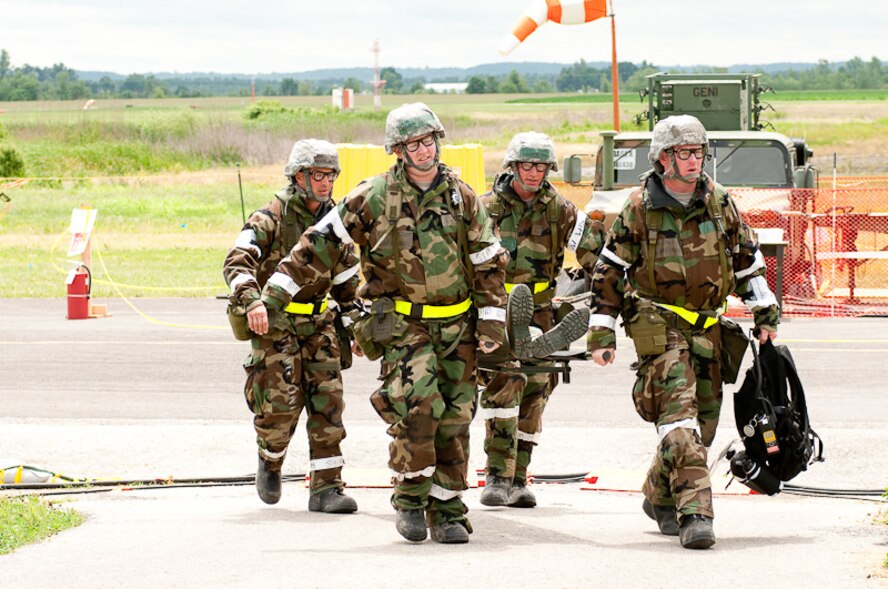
647	328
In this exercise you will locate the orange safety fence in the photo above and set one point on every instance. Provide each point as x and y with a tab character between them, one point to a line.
826	248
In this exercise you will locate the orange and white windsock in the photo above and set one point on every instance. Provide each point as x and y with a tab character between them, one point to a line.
565	12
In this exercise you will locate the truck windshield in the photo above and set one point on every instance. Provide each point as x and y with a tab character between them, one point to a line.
751	162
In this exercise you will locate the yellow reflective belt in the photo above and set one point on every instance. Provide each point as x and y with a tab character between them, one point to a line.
306	308
538	287
433	311
693	317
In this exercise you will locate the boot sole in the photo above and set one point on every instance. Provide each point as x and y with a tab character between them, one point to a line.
699	543
493	500
574	326
520	316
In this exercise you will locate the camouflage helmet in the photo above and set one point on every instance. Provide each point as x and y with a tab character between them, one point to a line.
531	147
673	131
408	121
312	153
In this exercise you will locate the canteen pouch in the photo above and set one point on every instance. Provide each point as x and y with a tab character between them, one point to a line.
378	327
237	317
733	348
647	328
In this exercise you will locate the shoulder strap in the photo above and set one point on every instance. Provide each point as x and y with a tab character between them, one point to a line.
392	214
716	211
553	214
653	219
457	199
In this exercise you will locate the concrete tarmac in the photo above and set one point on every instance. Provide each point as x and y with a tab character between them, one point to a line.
156	392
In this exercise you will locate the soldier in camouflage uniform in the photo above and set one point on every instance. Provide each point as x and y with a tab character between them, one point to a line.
536	225
682	247
434	272
295	362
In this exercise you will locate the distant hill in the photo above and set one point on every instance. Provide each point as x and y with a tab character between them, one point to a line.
432	74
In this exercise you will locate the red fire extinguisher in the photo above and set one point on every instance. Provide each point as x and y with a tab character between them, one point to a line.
79	287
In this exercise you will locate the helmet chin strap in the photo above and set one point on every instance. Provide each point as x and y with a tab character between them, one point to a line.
524	186
307	189
673	173
408	161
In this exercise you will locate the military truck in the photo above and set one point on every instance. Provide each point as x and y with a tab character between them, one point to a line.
729	106
744	154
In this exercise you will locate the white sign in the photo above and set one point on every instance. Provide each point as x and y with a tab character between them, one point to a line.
82	221
624	159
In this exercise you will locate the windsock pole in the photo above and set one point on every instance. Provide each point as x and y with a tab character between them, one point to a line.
615	74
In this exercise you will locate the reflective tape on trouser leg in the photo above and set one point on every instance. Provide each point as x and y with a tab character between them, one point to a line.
326	463
273	455
443	494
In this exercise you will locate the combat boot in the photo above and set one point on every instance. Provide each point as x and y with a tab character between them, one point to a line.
521	496
450	533
411	524
664	516
520	316
268	483
696	532
496	491
574	326
332	501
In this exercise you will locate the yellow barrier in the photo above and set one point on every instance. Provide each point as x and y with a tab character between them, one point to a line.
361	161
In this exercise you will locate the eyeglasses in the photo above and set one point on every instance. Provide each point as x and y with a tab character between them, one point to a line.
412	146
318	176
528	166
685	154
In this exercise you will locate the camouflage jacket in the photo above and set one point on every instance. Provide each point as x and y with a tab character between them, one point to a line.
431	265
687	266
267	238
525	231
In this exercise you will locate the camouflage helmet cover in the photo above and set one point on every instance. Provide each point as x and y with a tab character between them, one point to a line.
312	153
673	131
408	121
531	147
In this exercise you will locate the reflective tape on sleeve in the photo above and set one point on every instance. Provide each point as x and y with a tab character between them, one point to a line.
486	254
246	240
574	242
614	258
601	320
757	264
284	282
346	275
242	278
332	221
761	295
492	314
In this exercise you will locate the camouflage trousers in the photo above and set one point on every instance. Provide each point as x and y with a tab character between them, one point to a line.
512	405
296	366
680	392
428	399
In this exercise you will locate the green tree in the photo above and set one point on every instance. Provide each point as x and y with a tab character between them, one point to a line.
514	83
394	82
354	83
4	63
289	87
476	85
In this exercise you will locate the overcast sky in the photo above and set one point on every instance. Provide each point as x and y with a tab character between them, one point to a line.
265	36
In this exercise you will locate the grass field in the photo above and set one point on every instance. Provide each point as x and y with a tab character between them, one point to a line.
28	519
163	173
